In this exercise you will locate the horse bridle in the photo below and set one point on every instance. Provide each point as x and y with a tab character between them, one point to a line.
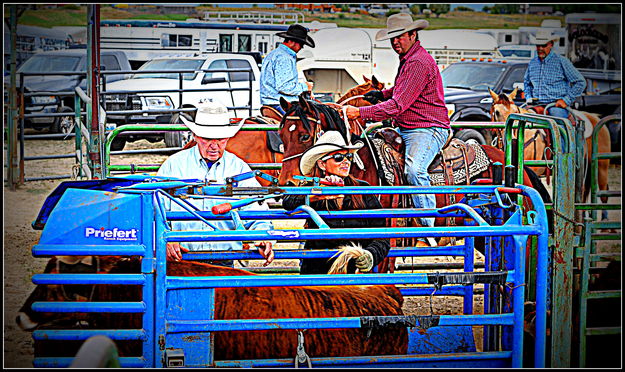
305	119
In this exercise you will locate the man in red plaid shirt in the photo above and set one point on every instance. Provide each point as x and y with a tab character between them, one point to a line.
416	104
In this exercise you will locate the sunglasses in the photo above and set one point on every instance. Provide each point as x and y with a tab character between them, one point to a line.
339	157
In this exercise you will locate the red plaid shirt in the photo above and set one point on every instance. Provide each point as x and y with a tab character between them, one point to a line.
417	99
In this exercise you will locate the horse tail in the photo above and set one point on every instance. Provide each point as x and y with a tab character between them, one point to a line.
345	253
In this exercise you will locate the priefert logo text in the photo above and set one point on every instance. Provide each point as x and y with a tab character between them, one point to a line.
111	234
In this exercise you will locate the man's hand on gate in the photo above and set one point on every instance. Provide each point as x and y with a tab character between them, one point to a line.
374	96
560	103
265	250
174	251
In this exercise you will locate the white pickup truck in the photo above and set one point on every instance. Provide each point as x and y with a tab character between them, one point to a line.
234	89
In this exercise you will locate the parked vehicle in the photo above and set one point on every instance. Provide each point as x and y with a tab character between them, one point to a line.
215	85
74	60
517	51
466	86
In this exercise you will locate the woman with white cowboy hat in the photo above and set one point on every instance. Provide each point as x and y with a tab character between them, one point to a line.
550	77
209	161
330	159
278	74
416	103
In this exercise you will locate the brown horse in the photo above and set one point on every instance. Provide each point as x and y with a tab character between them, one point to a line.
353	95
254	146
503	105
306	120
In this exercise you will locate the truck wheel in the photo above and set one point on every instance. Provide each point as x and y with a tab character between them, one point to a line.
177	139
471	134
64	124
118	144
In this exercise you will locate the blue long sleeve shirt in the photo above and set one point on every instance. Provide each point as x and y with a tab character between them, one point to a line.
278	77
189	164
553	78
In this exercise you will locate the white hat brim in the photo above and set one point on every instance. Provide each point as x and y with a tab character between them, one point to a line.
213	131
310	156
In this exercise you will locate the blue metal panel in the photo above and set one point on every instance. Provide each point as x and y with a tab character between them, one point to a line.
435	340
178	311
87	217
64	362
451	360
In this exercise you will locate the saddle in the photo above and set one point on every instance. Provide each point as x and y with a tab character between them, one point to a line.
451	166
274	142
270	112
575	118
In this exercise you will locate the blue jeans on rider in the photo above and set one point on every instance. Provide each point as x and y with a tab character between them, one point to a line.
422	145
279	108
560	113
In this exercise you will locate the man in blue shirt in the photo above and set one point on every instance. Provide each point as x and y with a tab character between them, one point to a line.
551	77
209	161
278	76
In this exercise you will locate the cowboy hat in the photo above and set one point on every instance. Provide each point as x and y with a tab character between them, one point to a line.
542	37
399	23
212	121
329	142
298	33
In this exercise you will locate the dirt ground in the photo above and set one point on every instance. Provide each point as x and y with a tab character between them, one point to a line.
22	206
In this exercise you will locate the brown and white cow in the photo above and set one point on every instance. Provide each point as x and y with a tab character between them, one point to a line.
239	303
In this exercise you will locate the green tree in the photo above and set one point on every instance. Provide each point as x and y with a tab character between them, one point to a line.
439	9
391	12
463	9
505	9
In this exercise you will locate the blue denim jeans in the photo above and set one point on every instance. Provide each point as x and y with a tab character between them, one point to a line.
559	113
422	145
279	108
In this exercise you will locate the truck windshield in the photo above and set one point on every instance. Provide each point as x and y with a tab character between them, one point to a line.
515	53
50	63
170	64
473	76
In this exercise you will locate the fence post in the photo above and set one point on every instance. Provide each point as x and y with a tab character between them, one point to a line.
12	176
93	72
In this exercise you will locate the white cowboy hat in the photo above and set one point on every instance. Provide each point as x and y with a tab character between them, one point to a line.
399	23
329	142
212	121
542	37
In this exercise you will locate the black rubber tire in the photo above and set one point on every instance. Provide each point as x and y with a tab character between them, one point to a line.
176	139
467	134
97	352
118	144
64	124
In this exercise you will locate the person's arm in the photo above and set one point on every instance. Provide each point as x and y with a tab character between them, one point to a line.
575	78
286	83
408	88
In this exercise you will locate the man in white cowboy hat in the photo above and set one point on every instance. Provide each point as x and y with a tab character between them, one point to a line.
551	77
209	161
278	74
416	103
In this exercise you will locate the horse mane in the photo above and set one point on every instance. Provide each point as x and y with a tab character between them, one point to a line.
333	118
